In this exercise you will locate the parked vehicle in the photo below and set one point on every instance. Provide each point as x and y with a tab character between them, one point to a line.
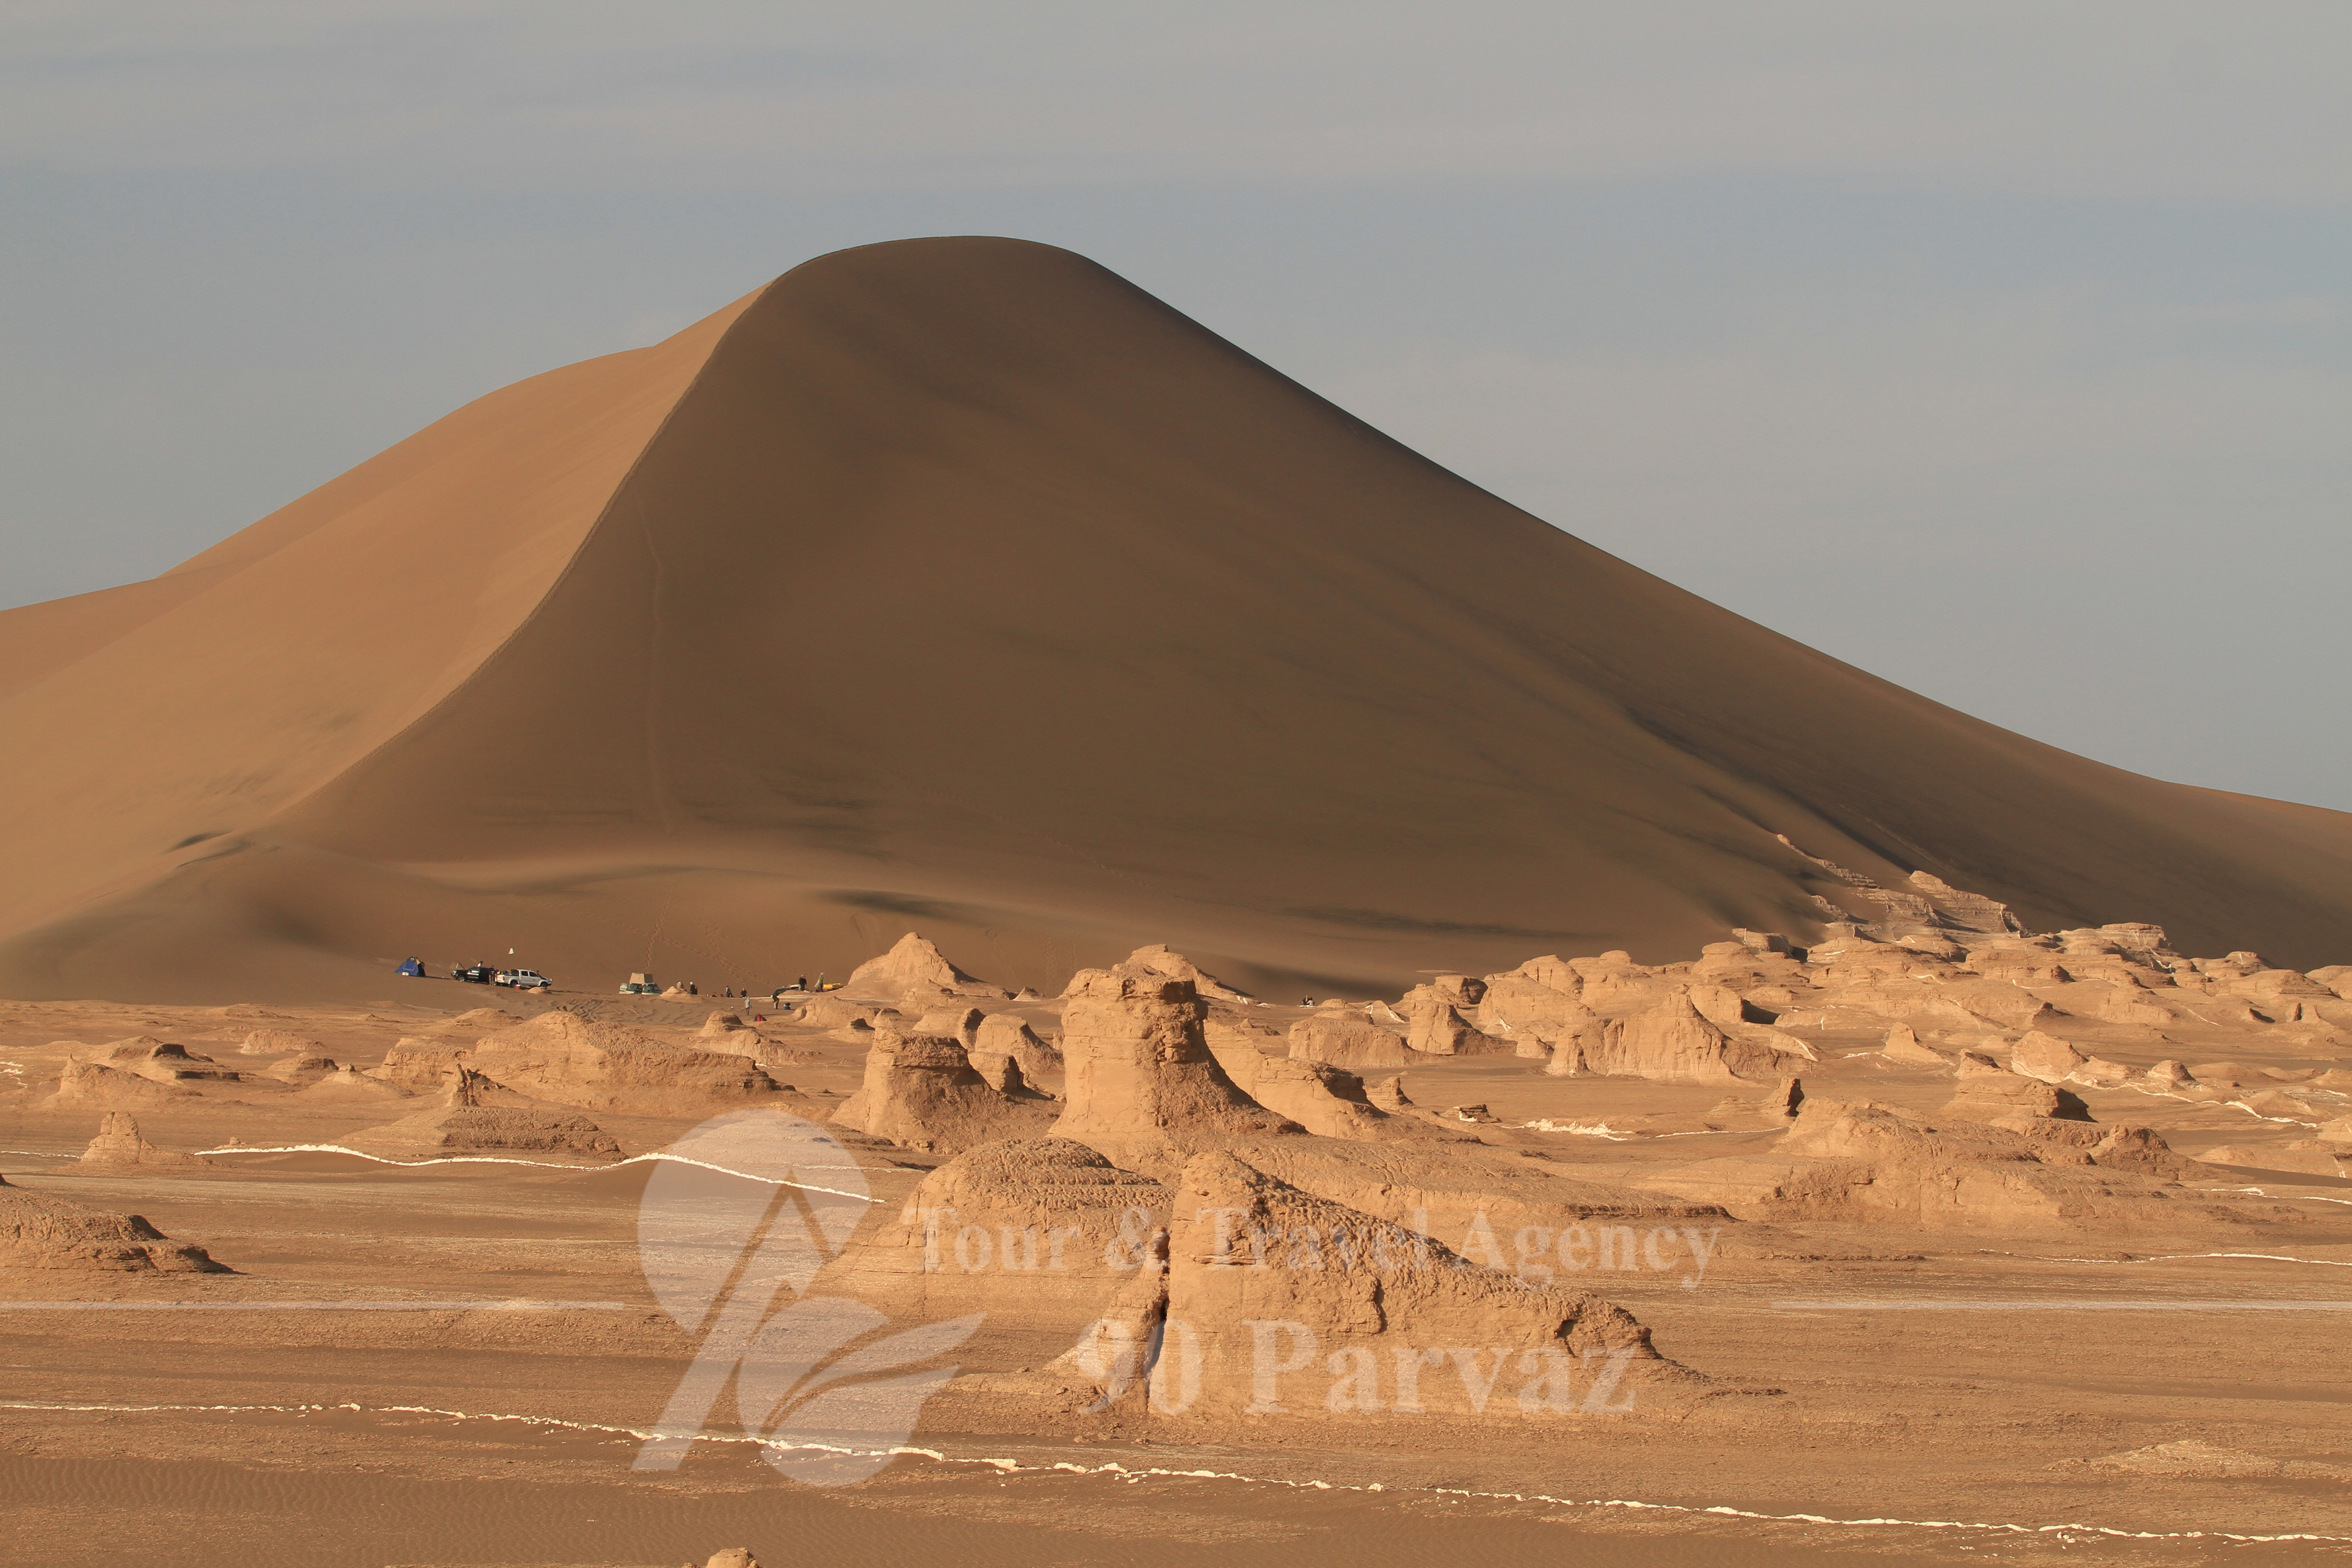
475	975
521	978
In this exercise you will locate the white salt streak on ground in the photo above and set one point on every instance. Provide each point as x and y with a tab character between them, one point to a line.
1016	1466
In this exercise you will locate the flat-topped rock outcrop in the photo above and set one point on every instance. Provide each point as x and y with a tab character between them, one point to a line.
41	1232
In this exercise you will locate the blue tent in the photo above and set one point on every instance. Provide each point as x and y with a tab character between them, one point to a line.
413	969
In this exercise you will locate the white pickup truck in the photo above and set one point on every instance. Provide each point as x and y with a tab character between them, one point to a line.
522	979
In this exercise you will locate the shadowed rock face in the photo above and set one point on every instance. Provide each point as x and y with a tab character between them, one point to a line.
1539	1000
279	1042
1140	1080
569	1060
165	1062
349	1085
1040	1233
1875	1164
1903	1045
1343	1037
302	1069
1007	1052
1324	1099
1162	958
120	1144
832	1012
915	970
415	1064
97	1086
1435	1024
1673	1043
2045	1057
1254	1266
460	1127
921	1091
1991	1095
1453	1186
960	1025
37	1231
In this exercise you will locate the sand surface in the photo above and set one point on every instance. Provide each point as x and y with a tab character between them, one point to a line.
958	581
456	1361
1657	1095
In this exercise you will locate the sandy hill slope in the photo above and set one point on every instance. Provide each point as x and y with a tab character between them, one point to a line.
959	580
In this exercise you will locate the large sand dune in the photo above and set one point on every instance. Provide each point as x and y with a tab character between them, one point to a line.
959	579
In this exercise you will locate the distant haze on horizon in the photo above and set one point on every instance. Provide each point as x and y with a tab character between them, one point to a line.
2002	351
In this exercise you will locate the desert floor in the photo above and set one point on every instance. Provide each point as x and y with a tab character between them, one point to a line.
316	1407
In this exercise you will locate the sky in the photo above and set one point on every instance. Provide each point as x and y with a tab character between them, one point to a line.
2004	350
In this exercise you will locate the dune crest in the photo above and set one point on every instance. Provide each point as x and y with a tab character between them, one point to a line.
604	643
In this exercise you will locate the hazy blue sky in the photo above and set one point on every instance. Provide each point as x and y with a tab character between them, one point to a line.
2003	350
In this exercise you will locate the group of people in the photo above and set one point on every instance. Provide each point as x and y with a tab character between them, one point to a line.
775	997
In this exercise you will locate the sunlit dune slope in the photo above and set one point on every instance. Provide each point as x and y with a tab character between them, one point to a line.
959	583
